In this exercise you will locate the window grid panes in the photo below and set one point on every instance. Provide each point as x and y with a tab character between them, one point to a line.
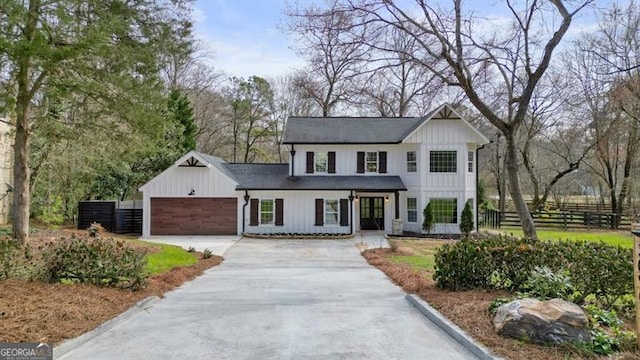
443	161
412	210
470	161
321	161
412	165
371	161
445	211
266	212
331	212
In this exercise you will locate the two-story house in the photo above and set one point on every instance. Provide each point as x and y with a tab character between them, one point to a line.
344	175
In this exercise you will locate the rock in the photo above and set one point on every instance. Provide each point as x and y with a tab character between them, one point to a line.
544	322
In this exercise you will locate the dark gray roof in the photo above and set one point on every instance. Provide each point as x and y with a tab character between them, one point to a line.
349	130
276	177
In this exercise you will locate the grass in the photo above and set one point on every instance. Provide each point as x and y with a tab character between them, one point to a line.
418	254
624	239
168	257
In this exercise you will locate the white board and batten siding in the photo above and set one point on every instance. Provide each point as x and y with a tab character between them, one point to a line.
299	212
179	181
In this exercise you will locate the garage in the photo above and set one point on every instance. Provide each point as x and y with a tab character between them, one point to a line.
194	216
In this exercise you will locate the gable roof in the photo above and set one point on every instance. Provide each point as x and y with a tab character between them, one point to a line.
276	177
195	159
364	130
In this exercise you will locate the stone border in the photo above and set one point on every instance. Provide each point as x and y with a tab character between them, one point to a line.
450	328
299	236
70	344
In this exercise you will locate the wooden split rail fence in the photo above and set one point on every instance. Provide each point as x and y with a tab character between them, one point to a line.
556	219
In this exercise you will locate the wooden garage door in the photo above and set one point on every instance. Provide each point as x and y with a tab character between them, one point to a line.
194	216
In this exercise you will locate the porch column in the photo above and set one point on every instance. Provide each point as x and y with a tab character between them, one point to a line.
397	202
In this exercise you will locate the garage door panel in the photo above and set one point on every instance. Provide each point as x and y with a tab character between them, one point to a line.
193	216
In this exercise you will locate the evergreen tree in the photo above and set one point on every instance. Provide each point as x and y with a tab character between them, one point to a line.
181	111
427	223
466	220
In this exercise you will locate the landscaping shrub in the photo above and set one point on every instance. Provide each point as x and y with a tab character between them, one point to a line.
593	268
103	262
608	332
545	284
8	253
427	214
466	220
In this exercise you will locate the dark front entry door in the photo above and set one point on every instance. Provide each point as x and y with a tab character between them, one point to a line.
371	213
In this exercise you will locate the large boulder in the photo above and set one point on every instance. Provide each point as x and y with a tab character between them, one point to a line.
544	322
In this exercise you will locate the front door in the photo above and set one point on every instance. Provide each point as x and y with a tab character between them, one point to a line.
371	213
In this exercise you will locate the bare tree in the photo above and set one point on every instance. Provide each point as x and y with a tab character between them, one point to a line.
325	39
498	69
606	66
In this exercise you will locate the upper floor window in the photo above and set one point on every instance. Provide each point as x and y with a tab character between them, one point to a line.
321	162
371	161
412	210
267	212
445	210
412	163
443	161
470	161
331	212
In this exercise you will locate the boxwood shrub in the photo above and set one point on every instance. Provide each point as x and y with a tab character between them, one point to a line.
594	268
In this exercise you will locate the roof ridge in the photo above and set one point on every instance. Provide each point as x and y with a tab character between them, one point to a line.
258	163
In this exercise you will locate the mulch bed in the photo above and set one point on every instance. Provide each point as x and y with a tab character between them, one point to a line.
469	310
35	311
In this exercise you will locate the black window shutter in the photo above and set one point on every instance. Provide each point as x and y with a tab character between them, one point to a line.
344	212
331	158
253	218
310	162
382	162
319	212
360	162
279	212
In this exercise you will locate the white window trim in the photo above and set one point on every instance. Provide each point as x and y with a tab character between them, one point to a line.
273	221
431	172
414	162
415	209
325	212
315	162
366	162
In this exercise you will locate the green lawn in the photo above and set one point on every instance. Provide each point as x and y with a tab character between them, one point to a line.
418	254
167	258
621	238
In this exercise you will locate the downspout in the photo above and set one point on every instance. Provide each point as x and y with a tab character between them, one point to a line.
477	182
293	155
244	208
351	197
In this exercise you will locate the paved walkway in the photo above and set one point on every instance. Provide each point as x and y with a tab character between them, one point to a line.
280	299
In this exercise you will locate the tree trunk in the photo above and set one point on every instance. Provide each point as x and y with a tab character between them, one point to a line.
528	226
21	196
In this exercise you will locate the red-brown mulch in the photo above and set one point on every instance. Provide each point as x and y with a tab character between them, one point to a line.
469	310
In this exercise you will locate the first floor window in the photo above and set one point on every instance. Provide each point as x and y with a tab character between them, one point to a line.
443	161
266	212
331	212
412	165
321	161
470	161
412	210
445	210
371	161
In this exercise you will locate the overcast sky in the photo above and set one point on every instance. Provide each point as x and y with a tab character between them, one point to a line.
243	38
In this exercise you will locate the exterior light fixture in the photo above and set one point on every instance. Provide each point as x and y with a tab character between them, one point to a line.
386	198
192	192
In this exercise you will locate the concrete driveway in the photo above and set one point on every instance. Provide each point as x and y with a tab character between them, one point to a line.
280	299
